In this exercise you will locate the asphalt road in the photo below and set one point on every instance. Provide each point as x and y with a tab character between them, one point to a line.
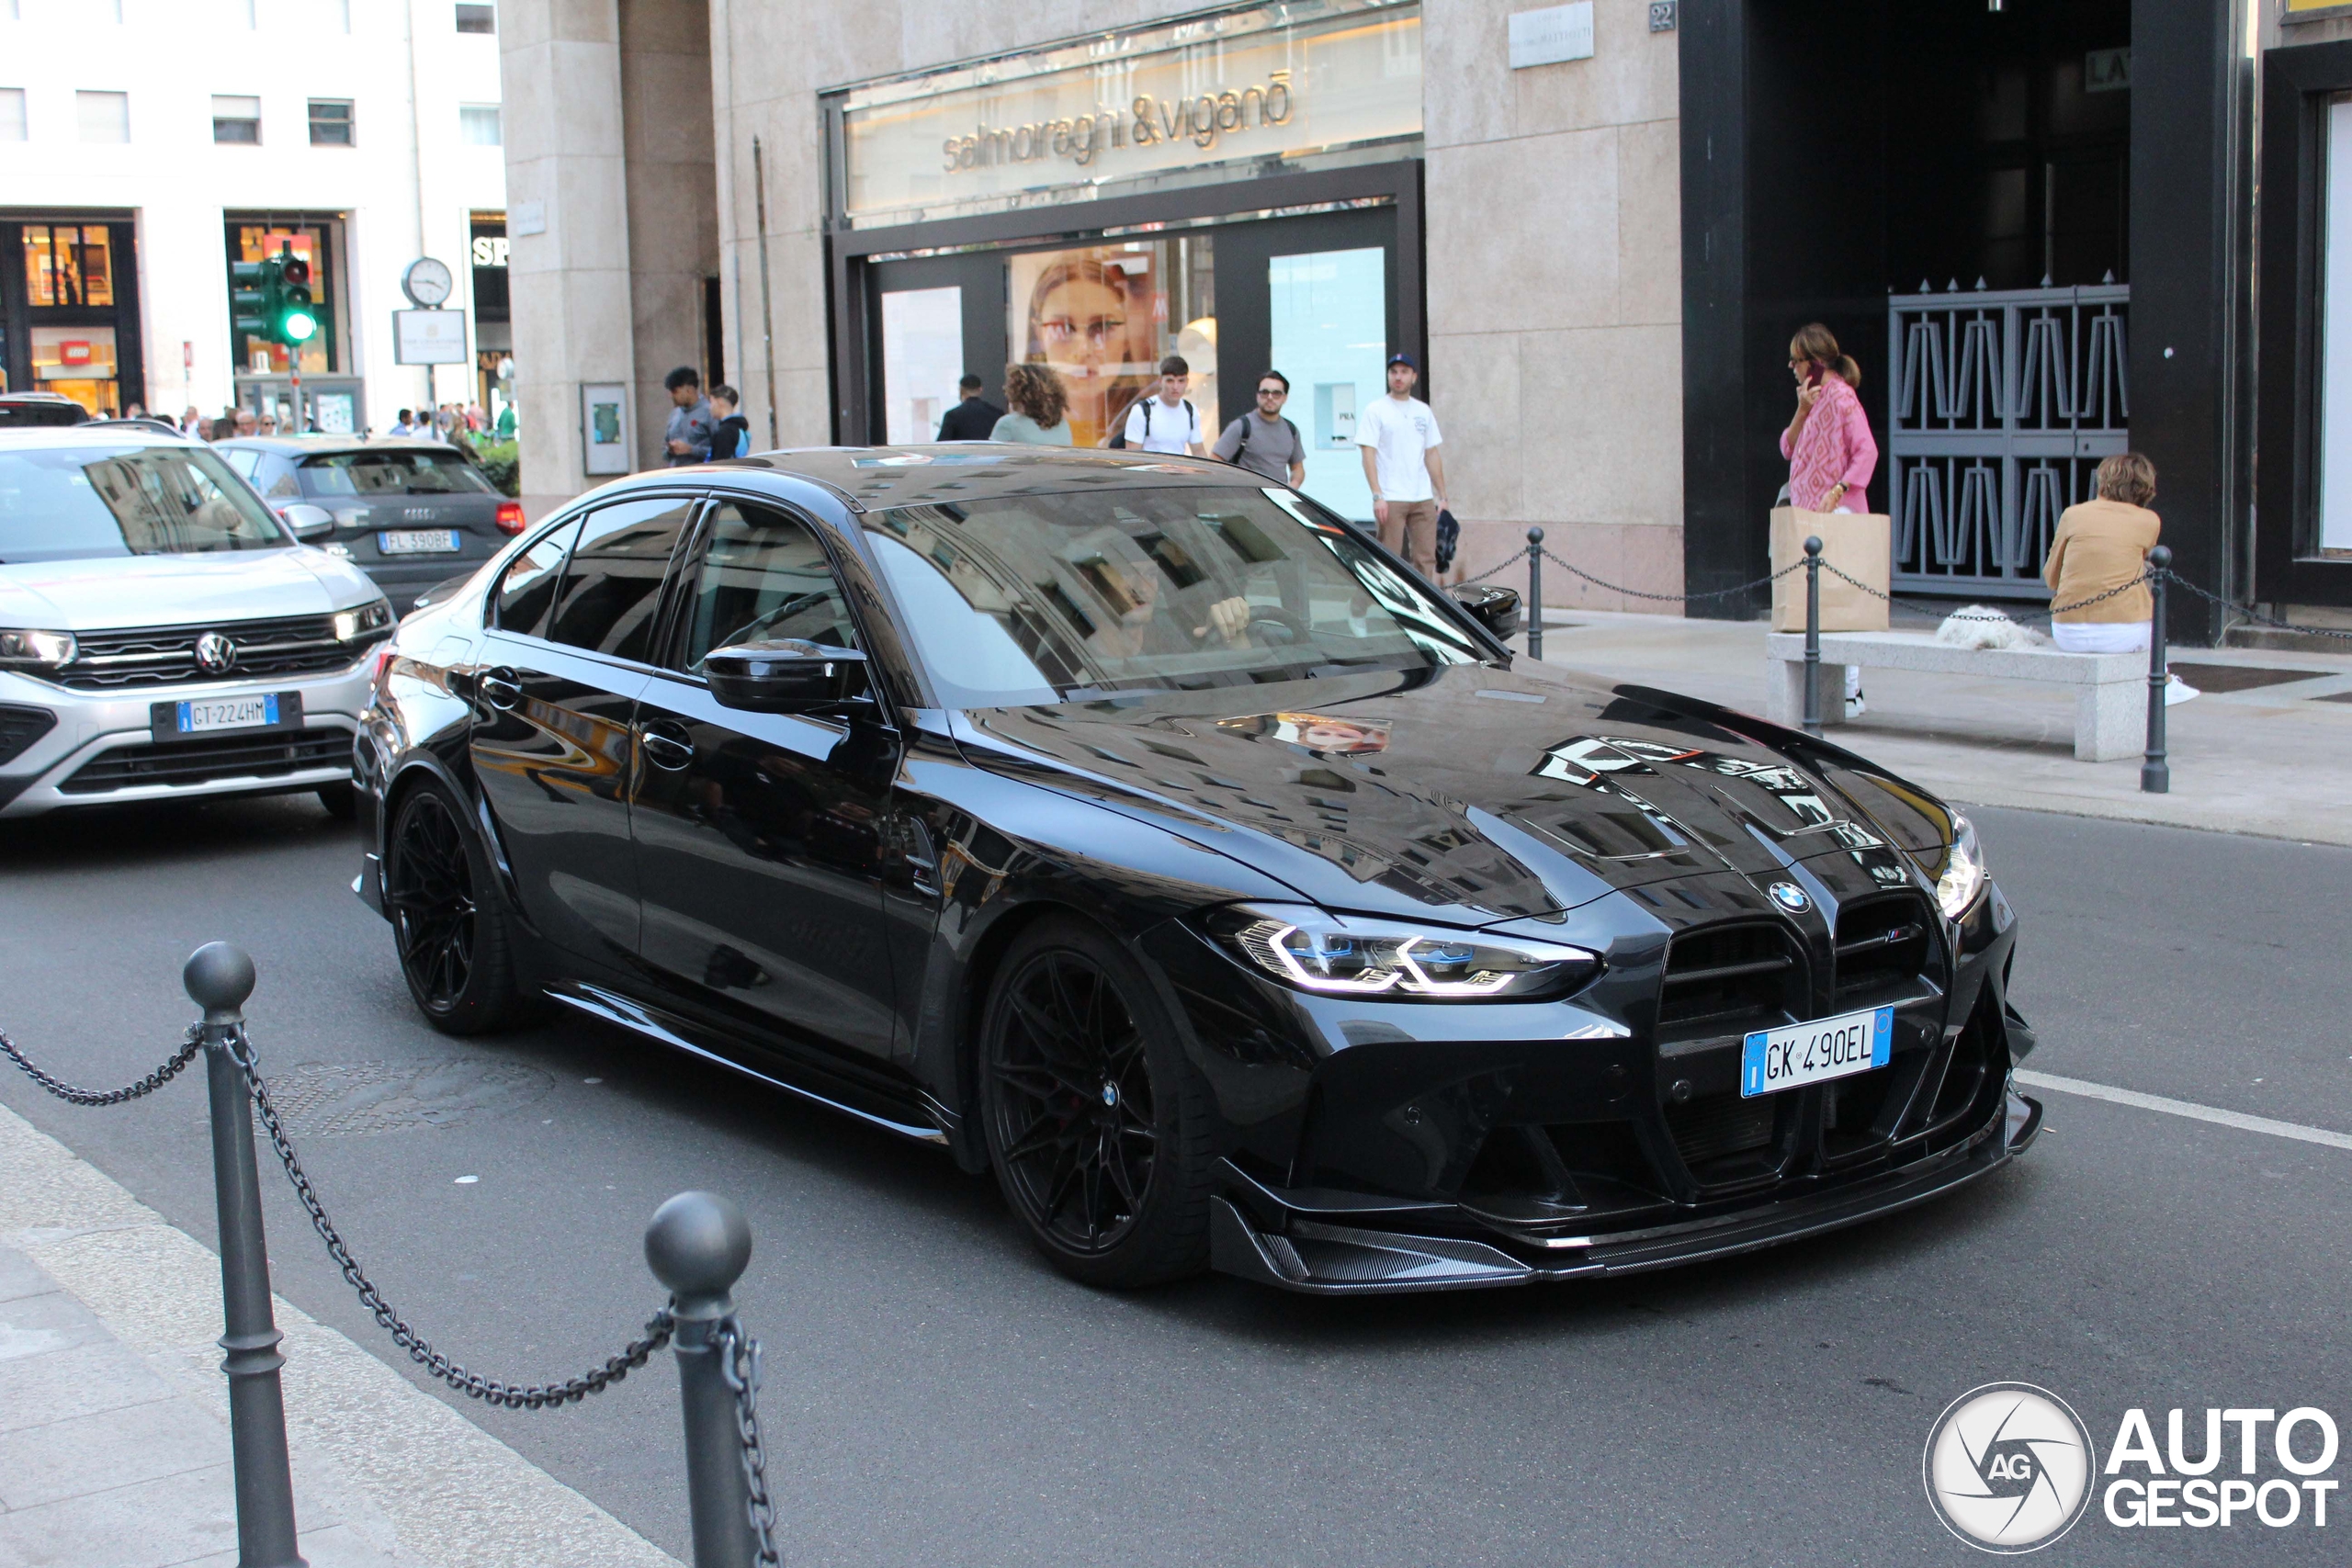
937	1394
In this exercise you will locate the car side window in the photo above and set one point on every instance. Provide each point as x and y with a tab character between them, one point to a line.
611	586
241	458
764	575
526	588
279	473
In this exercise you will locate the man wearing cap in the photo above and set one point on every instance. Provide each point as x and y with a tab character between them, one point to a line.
1398	437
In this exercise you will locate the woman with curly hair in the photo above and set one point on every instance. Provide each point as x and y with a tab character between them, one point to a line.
1040	415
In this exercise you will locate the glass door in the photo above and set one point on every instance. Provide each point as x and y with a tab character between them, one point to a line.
933	319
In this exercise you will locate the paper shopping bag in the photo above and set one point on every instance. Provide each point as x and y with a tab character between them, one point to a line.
1860	546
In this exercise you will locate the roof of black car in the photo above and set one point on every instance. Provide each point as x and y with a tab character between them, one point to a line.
874	478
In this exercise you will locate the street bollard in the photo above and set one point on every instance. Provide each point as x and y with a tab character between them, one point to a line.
220	977
1535	594
2156	772
1812	636
697	1245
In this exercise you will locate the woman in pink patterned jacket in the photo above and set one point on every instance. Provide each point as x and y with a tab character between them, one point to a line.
1828	444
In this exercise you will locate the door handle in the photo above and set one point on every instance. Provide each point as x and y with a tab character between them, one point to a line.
501	688
666	746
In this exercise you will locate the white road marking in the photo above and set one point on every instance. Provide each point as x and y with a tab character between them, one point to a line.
2195	1112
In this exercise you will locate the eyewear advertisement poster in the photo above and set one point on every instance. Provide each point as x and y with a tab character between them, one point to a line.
1103	317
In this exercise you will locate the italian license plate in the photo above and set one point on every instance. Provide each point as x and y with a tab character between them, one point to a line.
417	542
1800	1054
206	715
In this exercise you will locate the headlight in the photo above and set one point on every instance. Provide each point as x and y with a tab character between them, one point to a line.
1963	876
349	624
37	649
1358	955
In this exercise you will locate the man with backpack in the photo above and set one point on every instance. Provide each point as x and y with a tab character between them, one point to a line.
1166	422
1263	440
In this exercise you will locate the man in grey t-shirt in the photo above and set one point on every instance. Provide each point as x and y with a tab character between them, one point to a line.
1262	440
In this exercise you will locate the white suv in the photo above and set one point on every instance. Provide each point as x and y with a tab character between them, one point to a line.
162	634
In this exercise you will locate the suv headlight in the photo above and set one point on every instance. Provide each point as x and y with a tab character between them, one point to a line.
1964	874
37	651
358	623
1315	950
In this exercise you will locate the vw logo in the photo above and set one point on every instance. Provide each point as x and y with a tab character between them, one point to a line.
215	654
2008	1467
1790	897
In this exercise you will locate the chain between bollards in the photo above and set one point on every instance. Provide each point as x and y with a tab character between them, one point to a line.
2156	772
218	978
1535	594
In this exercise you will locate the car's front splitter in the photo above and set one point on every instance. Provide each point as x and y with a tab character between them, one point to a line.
1322	1257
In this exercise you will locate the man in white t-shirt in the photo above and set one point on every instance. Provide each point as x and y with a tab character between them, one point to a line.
1165	421
1398	437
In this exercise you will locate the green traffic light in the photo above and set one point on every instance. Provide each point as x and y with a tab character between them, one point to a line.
297	326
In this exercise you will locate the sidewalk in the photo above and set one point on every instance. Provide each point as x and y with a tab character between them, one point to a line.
114	1439
2273	758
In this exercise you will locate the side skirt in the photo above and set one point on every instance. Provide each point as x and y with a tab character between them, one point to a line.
639	1018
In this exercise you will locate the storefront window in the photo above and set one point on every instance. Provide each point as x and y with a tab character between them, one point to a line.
1104	316
255	242
68	264
2335	343
1328	333
78	363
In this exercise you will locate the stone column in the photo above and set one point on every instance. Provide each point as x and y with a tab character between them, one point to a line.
567	178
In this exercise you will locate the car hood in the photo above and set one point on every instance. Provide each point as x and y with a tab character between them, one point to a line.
173	590
1467	794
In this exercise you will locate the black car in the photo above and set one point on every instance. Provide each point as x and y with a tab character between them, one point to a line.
411	513
1137	829
20	409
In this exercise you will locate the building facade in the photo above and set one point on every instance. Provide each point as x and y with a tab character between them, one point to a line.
147	144
1597	225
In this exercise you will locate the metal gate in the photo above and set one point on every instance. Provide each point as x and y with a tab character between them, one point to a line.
2002	403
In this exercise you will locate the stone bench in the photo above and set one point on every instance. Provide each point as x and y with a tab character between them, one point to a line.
2110	689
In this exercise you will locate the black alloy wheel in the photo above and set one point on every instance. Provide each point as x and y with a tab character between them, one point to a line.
1095	1120
455	941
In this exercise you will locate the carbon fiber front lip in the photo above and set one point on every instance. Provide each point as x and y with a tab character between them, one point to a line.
1320	1258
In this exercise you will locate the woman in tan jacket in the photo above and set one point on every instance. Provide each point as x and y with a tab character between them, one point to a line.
2101	545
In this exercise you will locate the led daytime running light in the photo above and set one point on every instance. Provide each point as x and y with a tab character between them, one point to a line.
1355	956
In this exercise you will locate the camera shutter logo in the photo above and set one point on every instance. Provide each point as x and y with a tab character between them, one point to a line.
2008	1467
215	654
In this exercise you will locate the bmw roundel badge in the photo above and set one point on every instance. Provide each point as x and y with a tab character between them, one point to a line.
1790	897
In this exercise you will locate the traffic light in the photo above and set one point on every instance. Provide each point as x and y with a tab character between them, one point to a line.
292	320
248	299
270	298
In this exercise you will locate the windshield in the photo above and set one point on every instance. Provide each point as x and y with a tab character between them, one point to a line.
75	502
1034	599
393	473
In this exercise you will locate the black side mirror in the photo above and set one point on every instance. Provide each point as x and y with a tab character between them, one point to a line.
1495	608
785	675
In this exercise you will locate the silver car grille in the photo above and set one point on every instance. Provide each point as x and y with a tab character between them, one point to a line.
141	656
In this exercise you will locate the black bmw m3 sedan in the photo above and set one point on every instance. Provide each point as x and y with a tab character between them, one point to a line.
1136	830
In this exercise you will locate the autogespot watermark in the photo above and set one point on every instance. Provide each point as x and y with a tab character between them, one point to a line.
2010	1468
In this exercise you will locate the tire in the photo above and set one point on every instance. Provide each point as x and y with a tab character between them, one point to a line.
452	931
341	800
1097	1124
